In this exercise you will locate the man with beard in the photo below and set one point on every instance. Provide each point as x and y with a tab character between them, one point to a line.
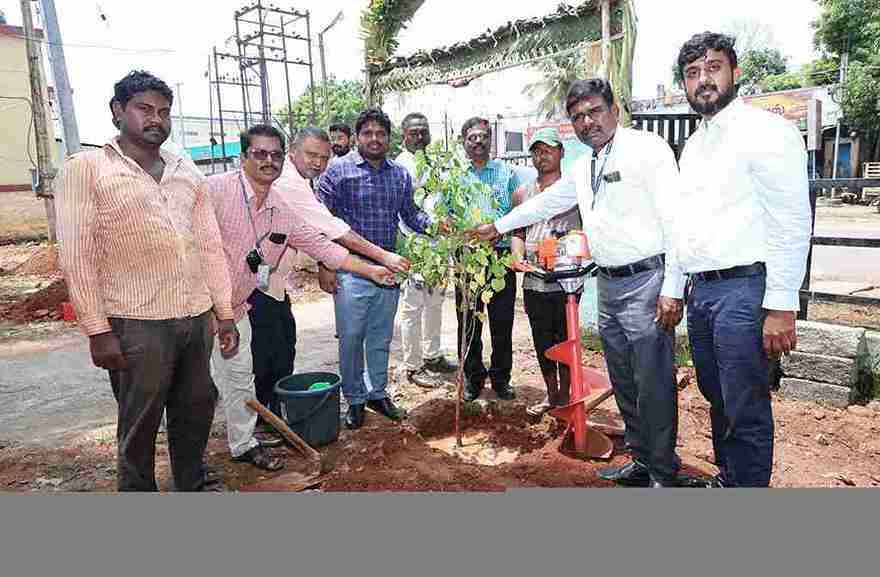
501	183
257	227
142	256
274	328
625	190
340	140
370	194
421	309
744	243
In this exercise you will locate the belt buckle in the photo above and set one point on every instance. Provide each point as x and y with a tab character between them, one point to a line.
716	275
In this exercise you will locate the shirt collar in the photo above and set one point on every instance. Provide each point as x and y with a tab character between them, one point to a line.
489	164
360	160
271	198
726	117
168	157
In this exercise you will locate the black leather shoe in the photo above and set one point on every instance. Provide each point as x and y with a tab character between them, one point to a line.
385	407
354	417
504	392
441	365
471	393
633	474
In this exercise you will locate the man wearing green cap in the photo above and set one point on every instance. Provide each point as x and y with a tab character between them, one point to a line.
544	301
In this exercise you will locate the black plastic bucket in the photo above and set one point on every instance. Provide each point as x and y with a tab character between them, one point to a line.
313	415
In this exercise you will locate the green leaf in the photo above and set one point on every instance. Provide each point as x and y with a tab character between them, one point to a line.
498	284
486	296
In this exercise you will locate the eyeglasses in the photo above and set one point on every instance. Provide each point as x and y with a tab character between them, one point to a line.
260	154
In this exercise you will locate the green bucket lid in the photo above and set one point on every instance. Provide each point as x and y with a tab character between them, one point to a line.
319	386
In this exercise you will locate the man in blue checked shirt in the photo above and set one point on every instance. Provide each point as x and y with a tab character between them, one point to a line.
369	193
501	183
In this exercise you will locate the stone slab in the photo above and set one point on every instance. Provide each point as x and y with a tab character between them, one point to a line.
821	368
822	393
827	339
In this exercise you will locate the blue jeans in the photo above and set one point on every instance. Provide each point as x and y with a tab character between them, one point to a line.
365	324
640	359
725	327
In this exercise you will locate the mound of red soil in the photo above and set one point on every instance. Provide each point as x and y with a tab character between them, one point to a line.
43	305
44	262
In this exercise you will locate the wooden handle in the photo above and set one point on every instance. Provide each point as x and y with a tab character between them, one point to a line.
593	403
282	428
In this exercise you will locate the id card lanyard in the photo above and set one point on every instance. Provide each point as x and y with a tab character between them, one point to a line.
596	179
263	269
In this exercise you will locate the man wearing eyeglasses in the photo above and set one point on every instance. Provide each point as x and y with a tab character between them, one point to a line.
625	190
257	227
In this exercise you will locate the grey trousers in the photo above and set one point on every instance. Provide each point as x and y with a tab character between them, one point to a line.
640	358
168	367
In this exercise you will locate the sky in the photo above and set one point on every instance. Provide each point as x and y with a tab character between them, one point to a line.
174	39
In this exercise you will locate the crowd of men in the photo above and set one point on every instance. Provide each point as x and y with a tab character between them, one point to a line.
180	281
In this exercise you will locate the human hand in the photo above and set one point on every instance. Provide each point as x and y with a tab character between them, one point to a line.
228	336
382	276
523	266
327	279
780	337
669	313
395	263
485	232
107	352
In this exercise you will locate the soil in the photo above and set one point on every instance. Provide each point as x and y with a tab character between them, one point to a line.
504	448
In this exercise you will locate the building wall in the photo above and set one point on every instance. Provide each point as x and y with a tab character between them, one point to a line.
16	124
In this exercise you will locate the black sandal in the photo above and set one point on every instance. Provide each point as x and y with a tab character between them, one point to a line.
260	458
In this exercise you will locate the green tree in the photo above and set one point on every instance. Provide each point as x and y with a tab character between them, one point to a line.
852	27
558	73
344	101
757	65
784	81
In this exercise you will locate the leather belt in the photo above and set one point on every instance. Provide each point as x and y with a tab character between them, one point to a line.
650	263
732	272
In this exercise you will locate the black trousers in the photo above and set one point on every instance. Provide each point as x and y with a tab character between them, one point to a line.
546	313
273	344
500	310
169	367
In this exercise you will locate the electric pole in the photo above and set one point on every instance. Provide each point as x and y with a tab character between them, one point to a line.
45	171
63	92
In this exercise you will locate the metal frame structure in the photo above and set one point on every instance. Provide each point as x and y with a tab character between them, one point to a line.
264	34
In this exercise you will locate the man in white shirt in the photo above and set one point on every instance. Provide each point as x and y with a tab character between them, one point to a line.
421	308
625	191
744	232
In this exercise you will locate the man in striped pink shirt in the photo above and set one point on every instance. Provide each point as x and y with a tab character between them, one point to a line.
257	227
140	249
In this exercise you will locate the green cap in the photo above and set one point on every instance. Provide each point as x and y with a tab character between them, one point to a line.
547	136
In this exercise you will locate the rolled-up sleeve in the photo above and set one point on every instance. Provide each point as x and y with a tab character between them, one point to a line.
78	247
303	236
210	244
780	167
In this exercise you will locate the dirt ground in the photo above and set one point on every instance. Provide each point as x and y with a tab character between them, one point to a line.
503	447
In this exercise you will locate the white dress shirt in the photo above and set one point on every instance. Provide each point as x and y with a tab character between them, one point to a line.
407	160
632	218
745	199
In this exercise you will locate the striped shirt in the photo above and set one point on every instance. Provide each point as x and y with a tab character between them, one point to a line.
131	247
298	193
276	218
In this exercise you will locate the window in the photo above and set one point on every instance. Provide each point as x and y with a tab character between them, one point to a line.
513	141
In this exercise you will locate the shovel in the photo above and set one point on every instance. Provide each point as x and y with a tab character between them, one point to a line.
293	481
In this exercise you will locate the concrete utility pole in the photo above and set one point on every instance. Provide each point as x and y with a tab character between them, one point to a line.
844	63
178	95
45	171
63	92
606	39
336	20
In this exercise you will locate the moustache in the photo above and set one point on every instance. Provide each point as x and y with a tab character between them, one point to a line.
705	88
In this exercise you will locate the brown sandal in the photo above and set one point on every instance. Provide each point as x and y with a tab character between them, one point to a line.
260	458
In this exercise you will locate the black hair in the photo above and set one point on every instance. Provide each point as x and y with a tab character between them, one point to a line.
583	89
471	122
260	130
699	44
138	81
412	116
373	115
310	132
341	127
112	114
